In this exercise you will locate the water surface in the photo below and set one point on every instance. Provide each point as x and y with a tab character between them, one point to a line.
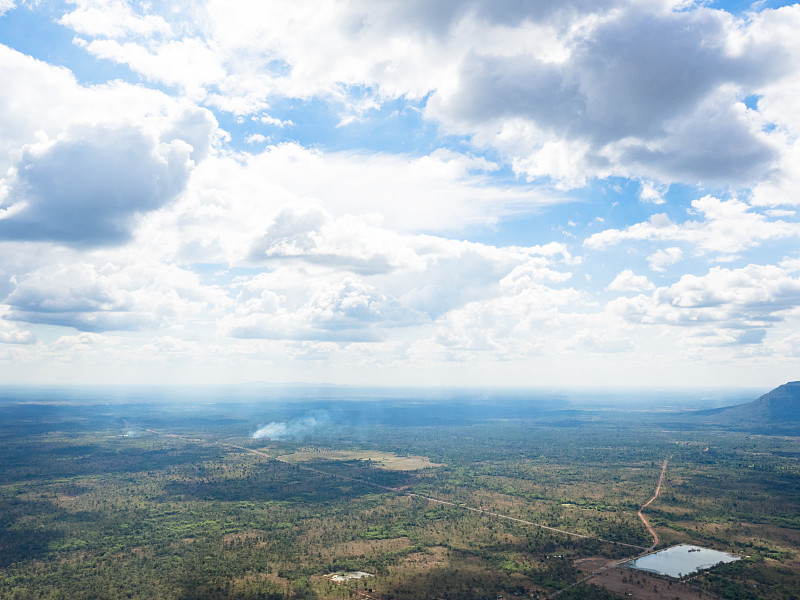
681	560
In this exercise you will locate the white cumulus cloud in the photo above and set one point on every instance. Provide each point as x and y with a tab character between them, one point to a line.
661	259
628	281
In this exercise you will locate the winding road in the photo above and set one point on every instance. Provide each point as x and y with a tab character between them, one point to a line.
649	502
617	563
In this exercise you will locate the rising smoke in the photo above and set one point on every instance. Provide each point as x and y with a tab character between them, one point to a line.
292	429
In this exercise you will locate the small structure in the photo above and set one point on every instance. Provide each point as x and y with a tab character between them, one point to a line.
344	577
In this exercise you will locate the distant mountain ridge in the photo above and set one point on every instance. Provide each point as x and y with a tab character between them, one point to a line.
779	408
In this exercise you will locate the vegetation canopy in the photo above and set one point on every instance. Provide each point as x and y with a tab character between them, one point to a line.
126	500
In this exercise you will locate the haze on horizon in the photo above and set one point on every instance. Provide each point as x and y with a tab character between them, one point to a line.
400	193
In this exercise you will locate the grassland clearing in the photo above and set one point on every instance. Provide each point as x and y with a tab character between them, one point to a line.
387	461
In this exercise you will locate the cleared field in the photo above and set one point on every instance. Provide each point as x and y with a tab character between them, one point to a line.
380	460
644	586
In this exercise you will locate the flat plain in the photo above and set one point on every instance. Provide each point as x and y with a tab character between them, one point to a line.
153	501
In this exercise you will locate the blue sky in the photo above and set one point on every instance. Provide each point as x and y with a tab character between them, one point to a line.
406	192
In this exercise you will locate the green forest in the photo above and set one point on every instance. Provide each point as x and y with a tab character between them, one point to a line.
97	504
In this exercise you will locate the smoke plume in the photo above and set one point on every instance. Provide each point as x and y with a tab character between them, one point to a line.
292	429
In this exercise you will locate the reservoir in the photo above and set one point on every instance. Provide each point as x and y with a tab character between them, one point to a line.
681	560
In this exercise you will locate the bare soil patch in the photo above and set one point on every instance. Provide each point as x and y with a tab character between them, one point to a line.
425	561
372	547
642	585
590	564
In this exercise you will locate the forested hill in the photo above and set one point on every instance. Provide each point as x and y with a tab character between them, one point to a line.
778	410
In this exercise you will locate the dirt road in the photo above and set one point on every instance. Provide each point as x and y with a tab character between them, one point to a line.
431	499
616	563
649	502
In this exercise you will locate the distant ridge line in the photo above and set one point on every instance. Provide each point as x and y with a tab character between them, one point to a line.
778	411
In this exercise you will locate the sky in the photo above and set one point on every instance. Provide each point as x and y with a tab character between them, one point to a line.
407	192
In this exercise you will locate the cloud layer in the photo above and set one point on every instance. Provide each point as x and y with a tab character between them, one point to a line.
565	91
86	187
404	192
